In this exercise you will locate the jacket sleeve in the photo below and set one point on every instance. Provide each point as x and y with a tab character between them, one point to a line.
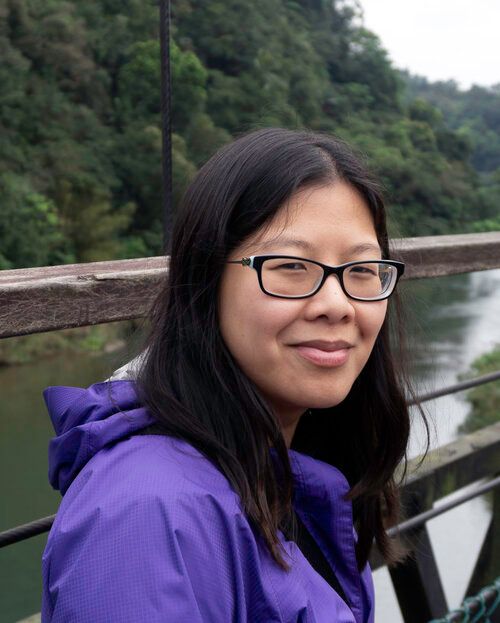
188	561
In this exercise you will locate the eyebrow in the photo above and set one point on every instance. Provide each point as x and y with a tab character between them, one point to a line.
307	246
285	242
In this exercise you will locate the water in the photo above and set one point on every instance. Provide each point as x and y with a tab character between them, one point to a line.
25	431
458	320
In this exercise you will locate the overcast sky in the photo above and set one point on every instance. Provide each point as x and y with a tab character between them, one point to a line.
440	39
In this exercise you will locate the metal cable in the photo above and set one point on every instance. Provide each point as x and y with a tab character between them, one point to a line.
20	533
422	518
166	123
33	528
27	530
458	387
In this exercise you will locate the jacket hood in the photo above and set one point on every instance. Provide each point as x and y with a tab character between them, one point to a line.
86	420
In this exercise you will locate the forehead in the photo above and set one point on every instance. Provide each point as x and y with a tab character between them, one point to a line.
334	217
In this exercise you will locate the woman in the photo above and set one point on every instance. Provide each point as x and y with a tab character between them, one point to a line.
225	483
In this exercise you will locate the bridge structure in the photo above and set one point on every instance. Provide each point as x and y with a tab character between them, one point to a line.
52	298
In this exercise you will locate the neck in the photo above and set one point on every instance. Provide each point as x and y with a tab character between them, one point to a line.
288	422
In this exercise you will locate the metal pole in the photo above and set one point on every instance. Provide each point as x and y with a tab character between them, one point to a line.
27	530
419	520
166	123
458	387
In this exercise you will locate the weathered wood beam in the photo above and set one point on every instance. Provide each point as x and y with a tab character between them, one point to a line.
444	470
33	300
454	465
435	256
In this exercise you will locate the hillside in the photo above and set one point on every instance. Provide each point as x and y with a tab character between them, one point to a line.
80	146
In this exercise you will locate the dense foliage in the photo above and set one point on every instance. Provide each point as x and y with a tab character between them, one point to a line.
80	139
484	399
474	118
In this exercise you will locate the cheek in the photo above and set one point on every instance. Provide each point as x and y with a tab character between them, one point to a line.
370	319
252	328
250	321
257	342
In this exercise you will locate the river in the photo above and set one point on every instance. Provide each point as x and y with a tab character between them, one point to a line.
458	320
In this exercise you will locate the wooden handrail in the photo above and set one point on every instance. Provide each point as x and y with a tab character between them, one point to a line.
33	300
436	256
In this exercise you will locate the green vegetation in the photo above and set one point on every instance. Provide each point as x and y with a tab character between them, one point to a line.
80	146
474	114
472	117
96	339
485	399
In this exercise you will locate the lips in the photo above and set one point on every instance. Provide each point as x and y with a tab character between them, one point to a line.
323	353
325	345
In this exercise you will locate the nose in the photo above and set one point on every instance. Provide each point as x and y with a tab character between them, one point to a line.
330	302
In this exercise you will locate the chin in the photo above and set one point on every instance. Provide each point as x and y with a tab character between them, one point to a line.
323	402
321	397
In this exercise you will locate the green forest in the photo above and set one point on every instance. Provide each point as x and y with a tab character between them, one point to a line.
80	138
484	399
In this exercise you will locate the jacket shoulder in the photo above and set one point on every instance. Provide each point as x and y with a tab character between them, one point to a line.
146	536
154	469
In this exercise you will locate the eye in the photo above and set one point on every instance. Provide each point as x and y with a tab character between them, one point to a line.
365	270
292	266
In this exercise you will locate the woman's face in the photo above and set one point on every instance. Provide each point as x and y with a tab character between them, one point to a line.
267	335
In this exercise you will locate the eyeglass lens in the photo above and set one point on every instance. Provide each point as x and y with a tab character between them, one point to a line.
286	277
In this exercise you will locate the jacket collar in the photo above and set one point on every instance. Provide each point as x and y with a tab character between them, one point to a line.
321	502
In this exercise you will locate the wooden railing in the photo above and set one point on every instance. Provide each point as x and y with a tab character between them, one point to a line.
46	299
59	297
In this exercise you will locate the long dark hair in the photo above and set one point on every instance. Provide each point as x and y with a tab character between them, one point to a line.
196	390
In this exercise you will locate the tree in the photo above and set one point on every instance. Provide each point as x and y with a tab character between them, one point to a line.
31	232
80	112
90	222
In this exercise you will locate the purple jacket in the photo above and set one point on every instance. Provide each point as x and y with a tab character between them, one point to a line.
150	531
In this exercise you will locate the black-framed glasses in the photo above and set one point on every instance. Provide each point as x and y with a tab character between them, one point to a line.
291	277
